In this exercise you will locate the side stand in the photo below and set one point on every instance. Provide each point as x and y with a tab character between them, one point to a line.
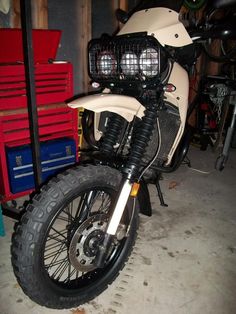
160	195
187	161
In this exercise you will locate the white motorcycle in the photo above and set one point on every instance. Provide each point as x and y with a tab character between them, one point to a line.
79	230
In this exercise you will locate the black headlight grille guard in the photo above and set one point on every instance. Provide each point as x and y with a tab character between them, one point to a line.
107	61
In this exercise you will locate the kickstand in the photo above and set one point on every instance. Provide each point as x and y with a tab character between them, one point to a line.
187	161
160	195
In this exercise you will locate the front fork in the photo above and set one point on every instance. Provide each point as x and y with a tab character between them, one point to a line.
114	222
130	175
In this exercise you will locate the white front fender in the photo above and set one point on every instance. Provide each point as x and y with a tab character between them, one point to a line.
125	106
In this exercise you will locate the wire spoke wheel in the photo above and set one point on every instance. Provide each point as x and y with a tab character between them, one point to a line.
74	237
55	245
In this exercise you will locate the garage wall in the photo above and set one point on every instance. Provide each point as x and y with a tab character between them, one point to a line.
64	15
103	17
5	21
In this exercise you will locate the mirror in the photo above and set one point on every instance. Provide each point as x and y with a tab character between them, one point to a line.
122	16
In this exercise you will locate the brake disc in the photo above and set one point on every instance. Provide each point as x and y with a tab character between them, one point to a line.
85	242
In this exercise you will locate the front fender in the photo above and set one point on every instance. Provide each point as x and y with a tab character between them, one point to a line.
125	106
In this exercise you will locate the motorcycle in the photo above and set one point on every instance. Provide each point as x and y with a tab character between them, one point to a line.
78	231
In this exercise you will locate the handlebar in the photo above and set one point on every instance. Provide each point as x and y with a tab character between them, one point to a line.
222	31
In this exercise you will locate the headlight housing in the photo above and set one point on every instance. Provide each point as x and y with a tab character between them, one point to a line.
106	63
126	58
129	63
149	62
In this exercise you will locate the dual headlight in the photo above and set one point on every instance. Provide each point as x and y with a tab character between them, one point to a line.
147	62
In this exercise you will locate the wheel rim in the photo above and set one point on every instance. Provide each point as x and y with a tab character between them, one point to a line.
72	240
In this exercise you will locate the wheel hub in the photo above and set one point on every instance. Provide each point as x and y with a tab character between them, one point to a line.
91	244
85	242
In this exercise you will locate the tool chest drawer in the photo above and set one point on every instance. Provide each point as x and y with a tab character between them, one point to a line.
53	84
52	123
55	156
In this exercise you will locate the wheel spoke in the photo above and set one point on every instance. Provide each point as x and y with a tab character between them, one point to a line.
104	206
62	218
60	269
62	232
86	205
55	242
59	233
58	262
56	239
73	272
92	200
55	258
52	246
67	213
53	254
82	199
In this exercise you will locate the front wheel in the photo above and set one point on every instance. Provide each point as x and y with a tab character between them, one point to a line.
56	242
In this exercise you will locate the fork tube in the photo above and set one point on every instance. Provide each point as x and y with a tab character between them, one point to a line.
119	207
113	223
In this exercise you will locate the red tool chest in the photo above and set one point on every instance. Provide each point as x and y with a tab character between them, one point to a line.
54	85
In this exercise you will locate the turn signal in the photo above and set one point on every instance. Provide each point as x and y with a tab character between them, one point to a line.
170	88
135	189
95	85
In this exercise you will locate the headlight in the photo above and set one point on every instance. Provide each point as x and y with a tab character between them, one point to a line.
129	63
106	63
149	62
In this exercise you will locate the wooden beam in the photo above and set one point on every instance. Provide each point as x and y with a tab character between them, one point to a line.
15	15
40	13
123	5
115	4
213	68
85	34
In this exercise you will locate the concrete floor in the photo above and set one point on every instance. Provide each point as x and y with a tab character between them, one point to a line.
184	259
